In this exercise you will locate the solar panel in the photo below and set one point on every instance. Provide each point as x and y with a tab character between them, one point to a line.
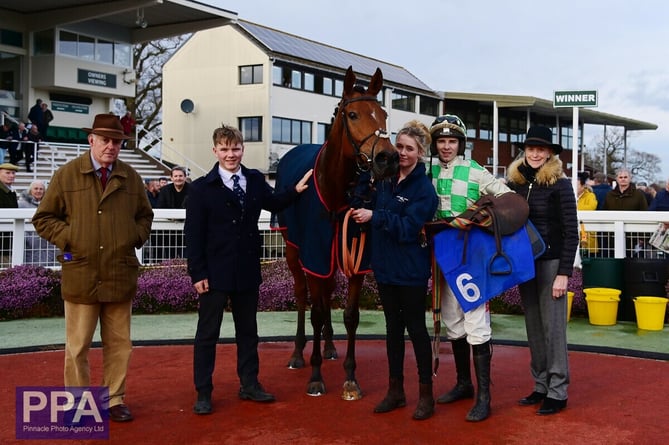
281	43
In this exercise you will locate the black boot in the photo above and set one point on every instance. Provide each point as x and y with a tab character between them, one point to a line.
481	409
425	407
395	398
463	388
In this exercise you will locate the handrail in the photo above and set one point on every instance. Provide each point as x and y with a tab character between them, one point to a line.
148	138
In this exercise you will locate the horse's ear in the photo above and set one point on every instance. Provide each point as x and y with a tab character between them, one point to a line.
376	83
349	80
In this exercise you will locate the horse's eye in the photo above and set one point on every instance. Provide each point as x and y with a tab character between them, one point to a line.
352	115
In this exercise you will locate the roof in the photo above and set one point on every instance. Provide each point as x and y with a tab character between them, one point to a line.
545	108
162	18
291	48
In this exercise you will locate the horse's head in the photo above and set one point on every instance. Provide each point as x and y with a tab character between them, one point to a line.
363	130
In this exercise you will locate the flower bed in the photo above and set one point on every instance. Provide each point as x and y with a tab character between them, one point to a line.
33	291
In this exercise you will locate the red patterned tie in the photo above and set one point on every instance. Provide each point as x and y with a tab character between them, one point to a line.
103	176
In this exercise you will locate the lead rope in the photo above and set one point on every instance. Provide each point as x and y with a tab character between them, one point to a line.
351	258
436	312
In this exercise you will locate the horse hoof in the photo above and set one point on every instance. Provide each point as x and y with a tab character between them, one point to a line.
351	391
296	363
315	389
330	354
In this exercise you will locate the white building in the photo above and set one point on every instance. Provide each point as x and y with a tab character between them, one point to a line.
279	89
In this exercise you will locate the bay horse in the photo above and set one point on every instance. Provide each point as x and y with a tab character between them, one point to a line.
312	227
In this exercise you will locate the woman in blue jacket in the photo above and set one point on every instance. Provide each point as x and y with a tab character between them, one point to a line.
401	264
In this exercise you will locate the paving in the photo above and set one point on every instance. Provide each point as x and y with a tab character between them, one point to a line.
623	338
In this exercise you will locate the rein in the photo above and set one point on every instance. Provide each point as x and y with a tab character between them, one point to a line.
363	162
351	258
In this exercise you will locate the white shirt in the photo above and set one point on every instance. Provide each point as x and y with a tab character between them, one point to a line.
226	177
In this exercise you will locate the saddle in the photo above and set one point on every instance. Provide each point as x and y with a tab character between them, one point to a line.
499	215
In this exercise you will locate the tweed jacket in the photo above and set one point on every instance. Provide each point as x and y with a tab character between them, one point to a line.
98	230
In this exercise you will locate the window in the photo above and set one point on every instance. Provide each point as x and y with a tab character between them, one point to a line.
429	106
277	75
296	80
517	129
104	51
290	131
122	54
85	47
503	135
67	43
566	137
486	127
327	86
403	101
251	128
249	74
309	82
322	132
339	88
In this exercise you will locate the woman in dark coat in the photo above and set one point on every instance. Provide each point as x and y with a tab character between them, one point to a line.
538	176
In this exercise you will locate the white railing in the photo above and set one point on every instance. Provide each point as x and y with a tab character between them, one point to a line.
166	240
620	235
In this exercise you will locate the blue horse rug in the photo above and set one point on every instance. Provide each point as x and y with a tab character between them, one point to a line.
308	224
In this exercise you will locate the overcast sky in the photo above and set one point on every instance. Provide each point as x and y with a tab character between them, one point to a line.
522	47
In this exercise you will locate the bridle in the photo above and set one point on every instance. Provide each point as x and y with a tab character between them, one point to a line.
362	160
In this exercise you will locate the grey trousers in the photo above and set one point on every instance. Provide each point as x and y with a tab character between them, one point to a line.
546	326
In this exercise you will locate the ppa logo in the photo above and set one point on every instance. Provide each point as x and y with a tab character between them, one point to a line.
48	412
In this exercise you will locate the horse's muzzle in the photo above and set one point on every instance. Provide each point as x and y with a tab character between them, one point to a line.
386	164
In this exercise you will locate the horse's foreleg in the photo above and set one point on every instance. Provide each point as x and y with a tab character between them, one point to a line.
319	301
351	389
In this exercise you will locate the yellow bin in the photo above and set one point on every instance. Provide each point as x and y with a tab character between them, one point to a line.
602	305
650	312
570	301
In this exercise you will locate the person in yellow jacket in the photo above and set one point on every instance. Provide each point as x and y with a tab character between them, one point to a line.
587	200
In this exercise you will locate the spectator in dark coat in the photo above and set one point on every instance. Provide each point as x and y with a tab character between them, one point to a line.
625	196
174	195
600	187
661	200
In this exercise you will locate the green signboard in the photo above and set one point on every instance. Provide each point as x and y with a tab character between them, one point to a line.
575	99
96	78
69	108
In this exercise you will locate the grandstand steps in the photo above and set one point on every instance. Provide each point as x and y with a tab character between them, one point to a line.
51	156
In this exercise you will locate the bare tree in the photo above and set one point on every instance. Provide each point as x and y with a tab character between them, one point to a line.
149	58
609	150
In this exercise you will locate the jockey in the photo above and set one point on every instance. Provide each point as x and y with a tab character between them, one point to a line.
459	182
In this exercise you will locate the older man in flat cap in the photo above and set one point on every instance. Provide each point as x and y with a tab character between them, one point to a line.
8	200
7	195
96	212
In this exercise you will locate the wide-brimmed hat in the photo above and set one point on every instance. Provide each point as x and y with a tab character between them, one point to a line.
108	125
8	166
539	136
